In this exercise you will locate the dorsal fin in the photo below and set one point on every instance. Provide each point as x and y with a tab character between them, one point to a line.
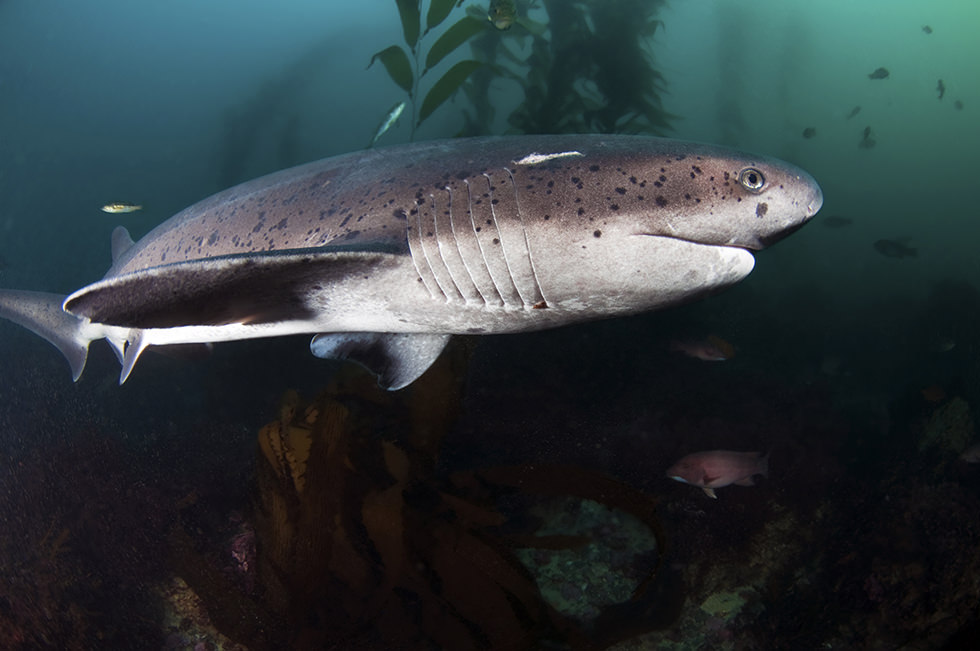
120	242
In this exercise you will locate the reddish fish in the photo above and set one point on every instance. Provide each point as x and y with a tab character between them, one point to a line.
710	349
717	468
971	454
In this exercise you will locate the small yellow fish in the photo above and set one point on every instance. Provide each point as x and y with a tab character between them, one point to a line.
502	13
121	206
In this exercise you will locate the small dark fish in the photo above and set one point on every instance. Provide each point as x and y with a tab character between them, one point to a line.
809	132
854	111
867	142
927	29
958	105
941	88
880	73
895	249
836	221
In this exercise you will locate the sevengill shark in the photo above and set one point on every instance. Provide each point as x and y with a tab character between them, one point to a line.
383	254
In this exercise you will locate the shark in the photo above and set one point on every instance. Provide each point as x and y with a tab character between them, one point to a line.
382	255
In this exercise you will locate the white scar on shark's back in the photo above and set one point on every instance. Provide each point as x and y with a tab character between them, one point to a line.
536	159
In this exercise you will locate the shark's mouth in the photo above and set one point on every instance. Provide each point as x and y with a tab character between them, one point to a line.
768	240
721	245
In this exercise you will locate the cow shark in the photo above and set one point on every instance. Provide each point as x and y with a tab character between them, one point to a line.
383	254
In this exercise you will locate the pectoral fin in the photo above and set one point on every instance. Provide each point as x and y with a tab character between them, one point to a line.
397	359
253	289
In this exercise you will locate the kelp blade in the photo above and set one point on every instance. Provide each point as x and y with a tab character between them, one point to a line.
446	86
397	64
461	31
410	15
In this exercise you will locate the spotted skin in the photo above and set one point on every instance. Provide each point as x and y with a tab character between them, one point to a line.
486	235
669	187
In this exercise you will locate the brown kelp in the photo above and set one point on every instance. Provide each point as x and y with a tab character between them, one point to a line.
362	542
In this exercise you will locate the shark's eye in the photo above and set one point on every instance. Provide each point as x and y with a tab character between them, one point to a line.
752	179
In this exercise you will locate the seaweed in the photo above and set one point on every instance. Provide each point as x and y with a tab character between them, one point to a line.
589	69
361	541
594	71
408	71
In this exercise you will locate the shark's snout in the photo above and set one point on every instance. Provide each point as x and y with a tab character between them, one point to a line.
816	202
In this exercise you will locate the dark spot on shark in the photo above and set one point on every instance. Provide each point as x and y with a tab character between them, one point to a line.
593	168
496	241
621	190
281	224
761	209
213	238
400	214
661	201
344	222
597	233
614	206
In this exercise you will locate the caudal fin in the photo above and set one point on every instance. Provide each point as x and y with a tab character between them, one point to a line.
42	314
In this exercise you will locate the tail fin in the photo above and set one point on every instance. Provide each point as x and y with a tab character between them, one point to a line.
42	314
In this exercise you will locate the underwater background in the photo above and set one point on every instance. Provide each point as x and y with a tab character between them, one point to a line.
161	514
